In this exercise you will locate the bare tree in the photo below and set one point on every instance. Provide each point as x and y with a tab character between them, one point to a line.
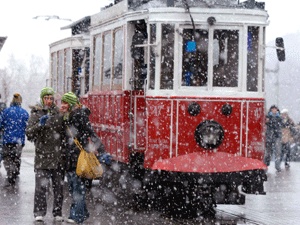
26	80
38	72
5	82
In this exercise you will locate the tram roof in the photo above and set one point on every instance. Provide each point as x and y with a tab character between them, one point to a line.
135	5
2	41
79	26
139	8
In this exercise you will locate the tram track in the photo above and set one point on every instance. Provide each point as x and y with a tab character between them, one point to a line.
222	218
240	217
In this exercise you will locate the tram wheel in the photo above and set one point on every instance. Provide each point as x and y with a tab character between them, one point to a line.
179	202
118	179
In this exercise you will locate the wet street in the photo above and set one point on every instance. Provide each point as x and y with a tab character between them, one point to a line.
279	207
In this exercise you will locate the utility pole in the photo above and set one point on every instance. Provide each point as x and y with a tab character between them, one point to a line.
276	72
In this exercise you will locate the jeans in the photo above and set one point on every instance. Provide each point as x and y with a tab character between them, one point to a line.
286	150
273	147
0	154
1	146
78	211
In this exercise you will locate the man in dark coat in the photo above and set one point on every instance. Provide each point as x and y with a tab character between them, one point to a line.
77	125
46	131
273	136
13	121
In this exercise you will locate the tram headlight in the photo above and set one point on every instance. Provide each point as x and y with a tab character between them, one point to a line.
209	134
226	109
194	109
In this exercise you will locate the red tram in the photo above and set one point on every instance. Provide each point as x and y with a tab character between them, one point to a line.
176	92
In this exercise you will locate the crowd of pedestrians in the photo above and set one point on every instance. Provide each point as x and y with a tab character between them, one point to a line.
281	131
52	130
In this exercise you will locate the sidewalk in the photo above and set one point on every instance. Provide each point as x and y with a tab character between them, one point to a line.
280	206
16	203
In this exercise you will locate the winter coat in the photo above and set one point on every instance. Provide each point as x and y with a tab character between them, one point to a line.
48	138
13	122
274	126
288	130
78	125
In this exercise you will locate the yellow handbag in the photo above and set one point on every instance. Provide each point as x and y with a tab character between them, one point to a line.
88	166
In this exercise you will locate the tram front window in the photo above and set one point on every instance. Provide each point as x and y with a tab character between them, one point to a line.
118	59
106	75
167	59
152	56
195	58
225	58
252	59
225	47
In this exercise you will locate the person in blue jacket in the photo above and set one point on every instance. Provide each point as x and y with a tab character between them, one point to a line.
13	122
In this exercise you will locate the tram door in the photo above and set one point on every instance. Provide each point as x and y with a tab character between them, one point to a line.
138	54
80	71
138	83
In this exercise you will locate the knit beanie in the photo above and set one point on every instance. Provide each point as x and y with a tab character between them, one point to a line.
70	98
46	91
17	99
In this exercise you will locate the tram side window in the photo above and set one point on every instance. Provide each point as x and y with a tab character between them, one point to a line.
252	59
118	59
77	59
225	58
195	57
167	56
97	62
106	72
60	75
68	73
54	70
152	56
86	64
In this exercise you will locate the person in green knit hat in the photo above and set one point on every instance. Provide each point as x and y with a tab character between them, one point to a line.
78	125
71	101
45	129
46	91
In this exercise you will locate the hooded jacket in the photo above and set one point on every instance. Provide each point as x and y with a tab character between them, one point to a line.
13	121
288	130
274	126
48	138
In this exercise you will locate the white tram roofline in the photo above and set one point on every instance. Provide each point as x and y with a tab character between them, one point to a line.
174	14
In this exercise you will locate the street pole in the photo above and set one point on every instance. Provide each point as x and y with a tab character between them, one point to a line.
276	73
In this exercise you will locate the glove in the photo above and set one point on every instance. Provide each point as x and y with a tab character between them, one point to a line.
105	158
43	120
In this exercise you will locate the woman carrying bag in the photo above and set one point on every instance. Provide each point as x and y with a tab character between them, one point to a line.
78	128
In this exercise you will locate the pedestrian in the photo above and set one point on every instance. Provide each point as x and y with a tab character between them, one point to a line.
77	125
288	131
46	131
273	137
13	122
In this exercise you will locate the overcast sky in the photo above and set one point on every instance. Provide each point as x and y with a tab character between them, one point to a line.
27	36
